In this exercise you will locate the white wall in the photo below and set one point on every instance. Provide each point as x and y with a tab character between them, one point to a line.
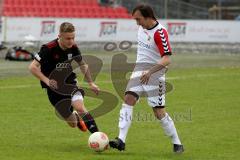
1	29
45	29
203	31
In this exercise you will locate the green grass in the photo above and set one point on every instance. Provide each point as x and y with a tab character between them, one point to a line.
204	104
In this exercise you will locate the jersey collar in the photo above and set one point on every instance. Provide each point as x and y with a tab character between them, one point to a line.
153	26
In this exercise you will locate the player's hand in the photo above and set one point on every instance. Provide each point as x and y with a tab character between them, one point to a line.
53	84
94	88
145	77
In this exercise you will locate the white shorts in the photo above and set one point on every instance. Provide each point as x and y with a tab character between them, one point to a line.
77	96
154	90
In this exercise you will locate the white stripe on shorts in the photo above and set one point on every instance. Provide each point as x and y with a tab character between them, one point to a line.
77	96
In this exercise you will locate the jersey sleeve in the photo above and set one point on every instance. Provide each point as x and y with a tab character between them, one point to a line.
162	42
41	56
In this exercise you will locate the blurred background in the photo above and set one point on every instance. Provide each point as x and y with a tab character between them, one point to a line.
194	26
200	29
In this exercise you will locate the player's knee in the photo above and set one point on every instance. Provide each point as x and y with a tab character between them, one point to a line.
79	106
159	113
159	116
130	99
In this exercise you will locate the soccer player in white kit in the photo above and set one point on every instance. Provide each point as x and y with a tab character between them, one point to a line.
148	77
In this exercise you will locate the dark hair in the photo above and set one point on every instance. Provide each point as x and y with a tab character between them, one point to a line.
145	10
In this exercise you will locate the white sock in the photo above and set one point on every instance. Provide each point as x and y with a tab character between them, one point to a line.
125	120
169	128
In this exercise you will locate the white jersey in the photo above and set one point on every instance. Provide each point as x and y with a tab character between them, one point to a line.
152	44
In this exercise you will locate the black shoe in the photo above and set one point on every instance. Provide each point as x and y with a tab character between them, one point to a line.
118	144
178	148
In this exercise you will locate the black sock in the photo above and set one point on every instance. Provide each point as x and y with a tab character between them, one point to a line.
90	122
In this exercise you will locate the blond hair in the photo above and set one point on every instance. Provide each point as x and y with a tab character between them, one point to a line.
66	27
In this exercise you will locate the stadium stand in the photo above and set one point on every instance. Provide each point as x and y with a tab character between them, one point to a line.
62	8
191	9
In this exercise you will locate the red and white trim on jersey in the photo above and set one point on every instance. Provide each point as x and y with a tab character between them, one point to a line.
161	40
52	44
152	44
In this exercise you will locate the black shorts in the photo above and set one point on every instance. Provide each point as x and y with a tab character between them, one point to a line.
62	103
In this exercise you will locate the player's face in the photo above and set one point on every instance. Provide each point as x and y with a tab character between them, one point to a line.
67	39
142	21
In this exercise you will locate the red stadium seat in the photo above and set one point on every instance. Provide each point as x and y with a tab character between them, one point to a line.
61	8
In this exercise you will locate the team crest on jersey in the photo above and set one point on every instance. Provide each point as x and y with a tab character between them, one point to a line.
69	56
149	37
56	56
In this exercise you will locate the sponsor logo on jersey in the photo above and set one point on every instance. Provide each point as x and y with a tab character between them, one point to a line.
61	66
69	56
142	44
149	37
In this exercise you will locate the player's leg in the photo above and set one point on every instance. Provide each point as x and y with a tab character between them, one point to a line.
156	99
133	91
82	113
168	127
125	120
74	121
125	116
64	110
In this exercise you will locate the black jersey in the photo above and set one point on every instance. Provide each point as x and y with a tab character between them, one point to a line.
51	55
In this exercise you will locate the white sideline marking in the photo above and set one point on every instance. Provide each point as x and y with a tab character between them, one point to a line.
19	86
105	82
201	76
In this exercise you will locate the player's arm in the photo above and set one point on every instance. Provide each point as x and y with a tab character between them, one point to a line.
34	68
162	64
163	45
87	74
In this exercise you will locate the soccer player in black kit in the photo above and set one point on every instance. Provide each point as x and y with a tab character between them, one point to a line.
54	59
